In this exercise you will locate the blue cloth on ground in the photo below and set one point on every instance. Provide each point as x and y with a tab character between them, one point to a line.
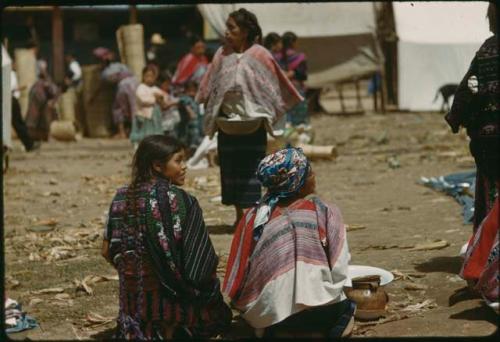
460	185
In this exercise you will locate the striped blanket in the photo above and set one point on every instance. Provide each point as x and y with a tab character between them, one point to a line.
300	261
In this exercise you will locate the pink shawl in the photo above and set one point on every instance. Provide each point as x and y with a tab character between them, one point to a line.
256	74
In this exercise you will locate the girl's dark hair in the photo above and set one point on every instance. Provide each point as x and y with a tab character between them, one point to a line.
271	39
247	21
288	39
153	148
149	67
195	39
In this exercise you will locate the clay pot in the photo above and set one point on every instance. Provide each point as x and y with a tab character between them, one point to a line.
370	298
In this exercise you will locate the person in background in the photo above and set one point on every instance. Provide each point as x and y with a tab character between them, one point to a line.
156	239
476	106
124	104
245	95
274	44
156	42
170	110
289	256
42	111
17	118
192	66
190	128
147	120
295	65
73	69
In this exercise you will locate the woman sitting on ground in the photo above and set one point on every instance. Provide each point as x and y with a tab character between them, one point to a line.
289	256
156	238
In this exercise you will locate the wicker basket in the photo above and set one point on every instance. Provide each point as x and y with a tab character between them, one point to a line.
26	74
130	40
98	111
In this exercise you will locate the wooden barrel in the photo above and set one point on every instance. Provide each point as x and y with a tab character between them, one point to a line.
97	108
26	74
130	39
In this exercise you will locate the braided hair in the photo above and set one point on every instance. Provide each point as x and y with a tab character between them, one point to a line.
247	21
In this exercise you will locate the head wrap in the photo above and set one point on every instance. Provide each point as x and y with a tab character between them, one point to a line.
283	173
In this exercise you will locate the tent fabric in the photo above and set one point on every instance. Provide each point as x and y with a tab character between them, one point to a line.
6	99
437	42
304	19
330	34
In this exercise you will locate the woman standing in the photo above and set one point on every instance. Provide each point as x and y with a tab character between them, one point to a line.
273	43
295	66
477	108
245	93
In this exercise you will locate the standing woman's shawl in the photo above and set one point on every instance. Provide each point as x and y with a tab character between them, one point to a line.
190	68
256	74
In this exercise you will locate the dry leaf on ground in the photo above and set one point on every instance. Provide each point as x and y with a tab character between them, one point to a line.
49	290
430	246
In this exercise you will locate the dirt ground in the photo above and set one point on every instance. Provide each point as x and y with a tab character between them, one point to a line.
55	200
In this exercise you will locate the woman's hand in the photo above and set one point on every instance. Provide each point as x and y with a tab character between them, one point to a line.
290	74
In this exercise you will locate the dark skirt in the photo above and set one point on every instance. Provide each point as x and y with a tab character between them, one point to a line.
239	156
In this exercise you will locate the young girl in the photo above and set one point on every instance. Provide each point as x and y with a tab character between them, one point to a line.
170	110
156	239
148	118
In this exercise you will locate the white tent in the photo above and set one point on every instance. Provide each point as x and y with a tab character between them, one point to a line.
330	34
6	99
437	42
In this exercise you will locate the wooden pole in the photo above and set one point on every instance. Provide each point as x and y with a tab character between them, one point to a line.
57	44
133	15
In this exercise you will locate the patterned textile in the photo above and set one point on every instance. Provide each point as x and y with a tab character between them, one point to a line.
190	68
300	261
239	156
480	112
165	261
283	173
481	258
256	74
143	127
40	114
125	102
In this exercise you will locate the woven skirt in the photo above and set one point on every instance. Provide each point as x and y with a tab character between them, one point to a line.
239	156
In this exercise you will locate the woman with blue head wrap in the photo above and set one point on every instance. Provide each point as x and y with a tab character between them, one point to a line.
289	256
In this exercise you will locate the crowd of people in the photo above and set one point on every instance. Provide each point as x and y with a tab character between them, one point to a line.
288	262
289	257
